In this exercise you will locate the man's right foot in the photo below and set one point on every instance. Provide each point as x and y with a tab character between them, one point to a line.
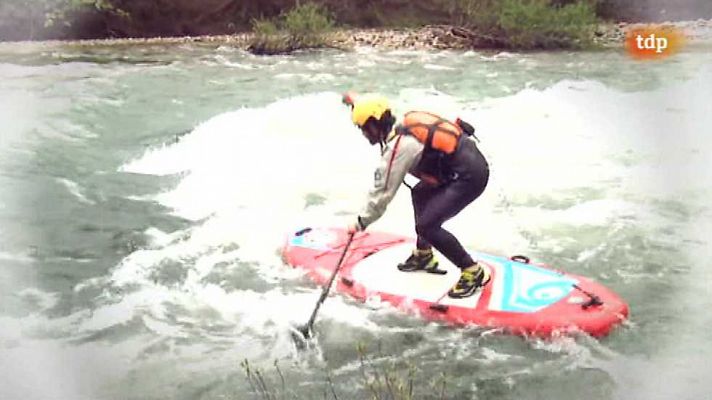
471	279
421	261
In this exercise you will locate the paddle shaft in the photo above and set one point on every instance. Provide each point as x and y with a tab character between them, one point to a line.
325	290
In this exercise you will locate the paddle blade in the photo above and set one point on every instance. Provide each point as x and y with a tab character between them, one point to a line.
300	335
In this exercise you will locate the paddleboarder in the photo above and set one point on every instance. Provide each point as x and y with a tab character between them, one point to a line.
452	172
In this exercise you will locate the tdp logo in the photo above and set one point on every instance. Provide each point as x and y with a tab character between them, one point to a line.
653	42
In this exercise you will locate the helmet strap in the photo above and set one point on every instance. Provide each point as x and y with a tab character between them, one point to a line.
386	123
380	127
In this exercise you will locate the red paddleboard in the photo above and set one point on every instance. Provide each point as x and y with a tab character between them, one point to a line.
522	298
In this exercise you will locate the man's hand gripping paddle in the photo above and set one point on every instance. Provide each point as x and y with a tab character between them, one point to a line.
305	330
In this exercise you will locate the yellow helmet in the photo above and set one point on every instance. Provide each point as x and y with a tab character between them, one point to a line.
367	106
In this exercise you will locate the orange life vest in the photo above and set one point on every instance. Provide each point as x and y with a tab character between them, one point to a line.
433	131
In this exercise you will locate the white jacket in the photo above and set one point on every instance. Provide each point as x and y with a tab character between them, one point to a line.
399	157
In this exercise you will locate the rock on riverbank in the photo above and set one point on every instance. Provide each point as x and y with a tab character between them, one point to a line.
614	34
428	37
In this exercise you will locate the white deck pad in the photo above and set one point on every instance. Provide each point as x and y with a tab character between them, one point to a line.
379	273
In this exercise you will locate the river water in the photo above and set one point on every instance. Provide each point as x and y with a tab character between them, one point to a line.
145	192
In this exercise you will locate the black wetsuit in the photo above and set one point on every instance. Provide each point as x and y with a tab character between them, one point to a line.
466	174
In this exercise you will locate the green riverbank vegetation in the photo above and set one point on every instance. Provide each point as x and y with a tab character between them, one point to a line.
290	24
511	24
304	27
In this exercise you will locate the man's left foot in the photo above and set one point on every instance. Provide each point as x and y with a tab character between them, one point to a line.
420	260
471	279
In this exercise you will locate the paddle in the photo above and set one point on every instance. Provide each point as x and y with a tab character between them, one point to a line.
305	330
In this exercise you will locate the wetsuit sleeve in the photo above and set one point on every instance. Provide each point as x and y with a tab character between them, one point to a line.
395	163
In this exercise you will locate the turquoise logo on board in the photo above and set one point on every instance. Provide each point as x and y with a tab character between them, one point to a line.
313	239
526	288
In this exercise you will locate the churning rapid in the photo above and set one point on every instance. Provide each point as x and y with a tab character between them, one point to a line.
146	192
